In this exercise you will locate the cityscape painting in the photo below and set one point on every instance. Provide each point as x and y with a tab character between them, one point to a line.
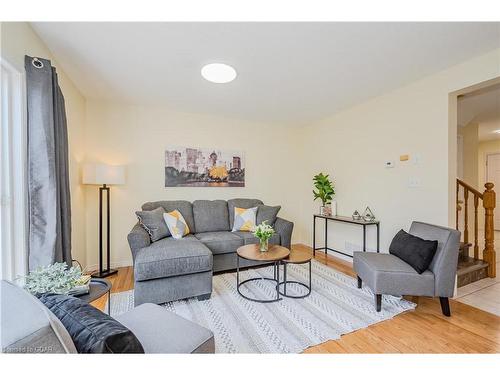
190	166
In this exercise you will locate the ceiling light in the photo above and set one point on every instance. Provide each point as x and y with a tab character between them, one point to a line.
218	73
496	131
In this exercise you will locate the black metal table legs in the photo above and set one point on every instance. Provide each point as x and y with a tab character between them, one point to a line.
275	278
286	282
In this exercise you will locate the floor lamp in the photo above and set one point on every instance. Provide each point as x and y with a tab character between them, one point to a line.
104	175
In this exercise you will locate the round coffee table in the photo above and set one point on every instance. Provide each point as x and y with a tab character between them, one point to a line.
252	252
296	257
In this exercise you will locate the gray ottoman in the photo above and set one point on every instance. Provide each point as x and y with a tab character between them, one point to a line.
161	331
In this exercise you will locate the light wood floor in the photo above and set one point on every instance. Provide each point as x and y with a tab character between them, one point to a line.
425	330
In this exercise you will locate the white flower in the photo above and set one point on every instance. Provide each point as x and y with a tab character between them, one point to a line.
263	231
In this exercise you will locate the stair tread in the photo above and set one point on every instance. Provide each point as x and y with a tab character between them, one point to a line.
469	265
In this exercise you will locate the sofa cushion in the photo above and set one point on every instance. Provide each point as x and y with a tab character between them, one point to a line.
267	214
220	242
92	330
242	203
387	274
184	207
28	326
170	257
249	238
153	222
414	250
162	331
210	216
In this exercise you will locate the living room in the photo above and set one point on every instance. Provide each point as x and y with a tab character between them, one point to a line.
179	145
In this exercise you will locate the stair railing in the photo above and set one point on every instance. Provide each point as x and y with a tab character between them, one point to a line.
488	198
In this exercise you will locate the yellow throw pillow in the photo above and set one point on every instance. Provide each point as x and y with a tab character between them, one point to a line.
176	224
244	219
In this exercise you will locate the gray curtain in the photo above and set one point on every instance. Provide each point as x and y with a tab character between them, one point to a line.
48	179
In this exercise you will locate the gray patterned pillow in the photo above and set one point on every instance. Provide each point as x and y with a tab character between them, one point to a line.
153	222
268	214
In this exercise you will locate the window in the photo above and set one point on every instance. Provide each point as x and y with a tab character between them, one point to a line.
13	215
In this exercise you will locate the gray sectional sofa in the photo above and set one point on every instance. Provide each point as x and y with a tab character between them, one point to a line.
170	269
28	326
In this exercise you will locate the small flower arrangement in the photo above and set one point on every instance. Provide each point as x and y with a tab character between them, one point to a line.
263	232
55	278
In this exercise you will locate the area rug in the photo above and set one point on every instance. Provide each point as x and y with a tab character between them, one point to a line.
335	307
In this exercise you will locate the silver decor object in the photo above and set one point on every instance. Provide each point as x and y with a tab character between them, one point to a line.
356	215
368	215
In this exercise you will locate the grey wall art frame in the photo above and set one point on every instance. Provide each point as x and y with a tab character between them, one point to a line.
203	167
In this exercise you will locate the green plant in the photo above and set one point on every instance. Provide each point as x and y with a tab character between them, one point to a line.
263	231
324	186
55	278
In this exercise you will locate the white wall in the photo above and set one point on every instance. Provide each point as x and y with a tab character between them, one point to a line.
137	137
353	145
18	39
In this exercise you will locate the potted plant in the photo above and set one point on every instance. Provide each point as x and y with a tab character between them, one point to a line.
325	192
54	278
263	232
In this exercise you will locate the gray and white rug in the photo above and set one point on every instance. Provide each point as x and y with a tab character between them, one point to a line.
335	307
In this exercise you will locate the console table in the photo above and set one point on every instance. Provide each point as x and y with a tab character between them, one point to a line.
347	220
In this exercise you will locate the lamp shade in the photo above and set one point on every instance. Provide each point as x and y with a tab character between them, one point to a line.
100	174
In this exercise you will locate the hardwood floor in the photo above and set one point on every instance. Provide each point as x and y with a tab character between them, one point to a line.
425	330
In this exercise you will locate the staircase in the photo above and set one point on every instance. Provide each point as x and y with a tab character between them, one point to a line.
472	266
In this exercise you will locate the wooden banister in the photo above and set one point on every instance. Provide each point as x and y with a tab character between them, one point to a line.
466	186
489	202
476	228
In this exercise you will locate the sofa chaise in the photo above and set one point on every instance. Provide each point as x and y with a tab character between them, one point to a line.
170	269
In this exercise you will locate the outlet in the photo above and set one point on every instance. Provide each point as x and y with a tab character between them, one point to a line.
414	182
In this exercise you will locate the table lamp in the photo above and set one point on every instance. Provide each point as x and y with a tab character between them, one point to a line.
104	175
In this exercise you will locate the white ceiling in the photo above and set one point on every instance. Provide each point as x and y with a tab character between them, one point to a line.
486	130
287	72
479	106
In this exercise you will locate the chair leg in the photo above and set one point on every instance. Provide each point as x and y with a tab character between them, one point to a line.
445	306
378	302
204	297
360	283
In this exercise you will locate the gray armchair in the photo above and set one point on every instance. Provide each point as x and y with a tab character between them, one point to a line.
387	274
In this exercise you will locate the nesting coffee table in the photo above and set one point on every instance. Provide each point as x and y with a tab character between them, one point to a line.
251	252
296	257
278	255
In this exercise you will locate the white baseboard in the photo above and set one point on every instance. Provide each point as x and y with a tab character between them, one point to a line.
119	264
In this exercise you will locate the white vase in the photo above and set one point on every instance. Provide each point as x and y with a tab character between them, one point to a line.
334	208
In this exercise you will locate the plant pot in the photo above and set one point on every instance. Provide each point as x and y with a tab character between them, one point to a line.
326	210
264	245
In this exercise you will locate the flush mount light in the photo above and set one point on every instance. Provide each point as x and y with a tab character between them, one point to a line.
496	131
218	73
